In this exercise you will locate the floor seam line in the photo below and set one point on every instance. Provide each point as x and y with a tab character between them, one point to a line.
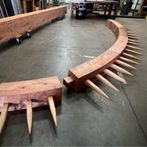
139	124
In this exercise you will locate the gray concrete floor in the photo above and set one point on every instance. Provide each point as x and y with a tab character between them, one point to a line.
84	119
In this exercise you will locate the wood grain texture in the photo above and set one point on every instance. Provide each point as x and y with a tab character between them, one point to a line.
37	90
10	27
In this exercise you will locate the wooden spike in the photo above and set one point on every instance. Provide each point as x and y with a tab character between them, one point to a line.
130	33
134	43
131	51
132	37
29	115
106	82
120	69
128	60
115	76
3	116
96	88
52	109
131	56
125	64
133	47
132	40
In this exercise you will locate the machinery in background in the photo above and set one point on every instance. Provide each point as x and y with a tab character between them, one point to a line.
107	9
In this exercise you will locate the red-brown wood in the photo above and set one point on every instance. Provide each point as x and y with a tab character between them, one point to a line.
16	94
88	70
11	27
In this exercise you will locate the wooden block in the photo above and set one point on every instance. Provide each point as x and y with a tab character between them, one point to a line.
38	91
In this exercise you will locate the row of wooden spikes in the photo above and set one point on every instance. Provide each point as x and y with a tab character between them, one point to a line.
29	112
123	60
128	57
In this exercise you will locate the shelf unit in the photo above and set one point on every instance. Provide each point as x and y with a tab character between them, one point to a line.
143	8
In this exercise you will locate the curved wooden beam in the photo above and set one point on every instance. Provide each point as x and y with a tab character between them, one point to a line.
107	61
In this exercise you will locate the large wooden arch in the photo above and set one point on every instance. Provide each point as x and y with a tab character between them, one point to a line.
120	54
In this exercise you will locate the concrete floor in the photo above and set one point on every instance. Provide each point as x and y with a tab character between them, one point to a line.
84	119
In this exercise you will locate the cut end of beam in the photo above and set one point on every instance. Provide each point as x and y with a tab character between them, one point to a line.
106	82
3	116
96	88
115	76
29	115
52	109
